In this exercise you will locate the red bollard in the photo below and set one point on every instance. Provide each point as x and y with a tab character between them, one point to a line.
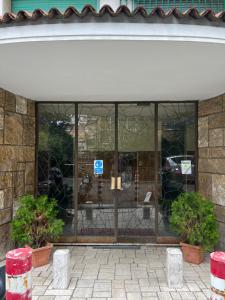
18	274
217	264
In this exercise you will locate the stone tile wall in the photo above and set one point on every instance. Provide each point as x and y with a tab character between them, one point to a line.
17	158
211	167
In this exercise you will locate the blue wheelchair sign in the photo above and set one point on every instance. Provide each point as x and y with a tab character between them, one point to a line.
98	167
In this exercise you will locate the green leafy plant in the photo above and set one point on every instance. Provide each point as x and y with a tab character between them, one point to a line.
193	218
36	222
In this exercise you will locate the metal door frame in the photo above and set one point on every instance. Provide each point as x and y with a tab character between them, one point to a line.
110	239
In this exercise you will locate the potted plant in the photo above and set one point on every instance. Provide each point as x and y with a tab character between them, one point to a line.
193	218
35	224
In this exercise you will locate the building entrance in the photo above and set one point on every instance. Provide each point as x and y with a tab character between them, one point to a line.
120	199
115	168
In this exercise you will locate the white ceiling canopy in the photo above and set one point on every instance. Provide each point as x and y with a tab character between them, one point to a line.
113	62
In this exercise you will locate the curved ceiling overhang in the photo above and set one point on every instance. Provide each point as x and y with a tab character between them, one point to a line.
113	61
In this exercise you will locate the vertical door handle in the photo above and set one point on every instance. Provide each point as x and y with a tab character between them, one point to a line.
116	183
113	183
119	183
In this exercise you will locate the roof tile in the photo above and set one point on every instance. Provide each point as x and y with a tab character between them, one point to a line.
55	13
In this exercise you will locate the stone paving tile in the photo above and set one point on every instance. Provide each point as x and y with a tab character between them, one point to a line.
193	287
134	296
118	293
153	281
116	298
55	292
47	282
101	294
132	287
183	289
102	286
72	283
83	292
143	282
187	295
119	274
150	288
85	283
200	296
38	290
164	296
39	280
149	294
45	298
117	284
175	295
97	298
106	276
123	277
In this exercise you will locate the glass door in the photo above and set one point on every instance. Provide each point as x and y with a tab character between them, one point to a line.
116	171
116	168
136	171
96	157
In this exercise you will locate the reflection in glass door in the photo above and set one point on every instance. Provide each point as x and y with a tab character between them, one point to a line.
176	144
56	132
96	147
122	137
136	167
82	147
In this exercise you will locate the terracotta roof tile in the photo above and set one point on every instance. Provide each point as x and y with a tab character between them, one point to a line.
55	13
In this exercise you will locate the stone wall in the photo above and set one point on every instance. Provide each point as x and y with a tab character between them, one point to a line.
211	143
17	158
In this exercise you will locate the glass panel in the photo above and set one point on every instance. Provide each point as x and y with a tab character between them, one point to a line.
136	166
96	141
176	132
56	158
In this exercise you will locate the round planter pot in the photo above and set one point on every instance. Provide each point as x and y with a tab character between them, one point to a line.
40	256
192	254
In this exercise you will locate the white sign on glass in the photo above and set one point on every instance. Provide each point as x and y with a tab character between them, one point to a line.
186	167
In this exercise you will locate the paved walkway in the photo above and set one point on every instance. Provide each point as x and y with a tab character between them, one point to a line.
121	274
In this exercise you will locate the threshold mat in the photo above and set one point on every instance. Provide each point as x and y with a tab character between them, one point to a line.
127	247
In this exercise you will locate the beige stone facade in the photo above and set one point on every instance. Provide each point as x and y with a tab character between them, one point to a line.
17	157
211	166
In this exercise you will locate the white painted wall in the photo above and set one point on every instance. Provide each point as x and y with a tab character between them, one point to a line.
115	3
5	6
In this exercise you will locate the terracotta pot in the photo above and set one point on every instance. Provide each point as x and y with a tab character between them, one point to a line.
192	254
40	256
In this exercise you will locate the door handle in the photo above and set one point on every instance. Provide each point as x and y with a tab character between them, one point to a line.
113	183
119	183
116	183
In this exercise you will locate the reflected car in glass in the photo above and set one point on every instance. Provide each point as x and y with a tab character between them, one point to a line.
173	164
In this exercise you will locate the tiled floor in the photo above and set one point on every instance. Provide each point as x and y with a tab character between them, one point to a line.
121	274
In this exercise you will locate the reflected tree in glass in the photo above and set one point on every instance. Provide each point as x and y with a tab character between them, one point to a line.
55	154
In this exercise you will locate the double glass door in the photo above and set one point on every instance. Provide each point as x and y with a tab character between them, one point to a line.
118	201
103	163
